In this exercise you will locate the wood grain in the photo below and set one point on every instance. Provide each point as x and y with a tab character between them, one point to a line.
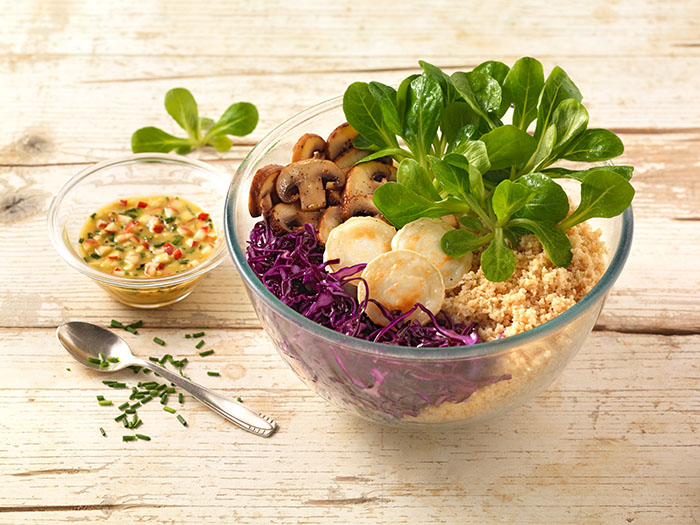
622	445
614	440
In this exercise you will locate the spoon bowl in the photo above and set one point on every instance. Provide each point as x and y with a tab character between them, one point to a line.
93	346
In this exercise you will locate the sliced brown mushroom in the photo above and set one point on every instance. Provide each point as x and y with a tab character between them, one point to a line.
285	218
359	206
309	146
333	197
340	140
364	178
349	157
307	181
329	220
263	194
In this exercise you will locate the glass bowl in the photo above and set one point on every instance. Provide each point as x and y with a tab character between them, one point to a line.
137	175
414	387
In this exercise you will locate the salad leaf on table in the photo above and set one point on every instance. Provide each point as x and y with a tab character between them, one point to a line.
239	119
457	156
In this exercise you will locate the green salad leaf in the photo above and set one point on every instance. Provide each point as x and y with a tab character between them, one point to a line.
239	119
457	156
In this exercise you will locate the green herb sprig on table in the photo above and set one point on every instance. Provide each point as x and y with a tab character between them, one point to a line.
460	158
239	119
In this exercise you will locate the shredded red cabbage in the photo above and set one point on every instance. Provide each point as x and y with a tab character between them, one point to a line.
291	266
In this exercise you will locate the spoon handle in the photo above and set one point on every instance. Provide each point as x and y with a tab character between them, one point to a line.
237	413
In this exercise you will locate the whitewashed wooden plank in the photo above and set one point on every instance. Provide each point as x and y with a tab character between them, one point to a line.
613	439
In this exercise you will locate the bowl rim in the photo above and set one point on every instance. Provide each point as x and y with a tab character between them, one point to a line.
59	239
598	292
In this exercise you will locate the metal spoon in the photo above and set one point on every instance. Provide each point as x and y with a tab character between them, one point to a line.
85	340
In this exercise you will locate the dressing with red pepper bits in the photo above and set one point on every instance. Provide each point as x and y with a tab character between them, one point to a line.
146	237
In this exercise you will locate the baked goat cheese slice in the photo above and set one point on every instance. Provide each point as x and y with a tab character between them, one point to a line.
398	280
423	236
357	241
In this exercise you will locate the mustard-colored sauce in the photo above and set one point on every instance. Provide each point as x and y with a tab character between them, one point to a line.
147	237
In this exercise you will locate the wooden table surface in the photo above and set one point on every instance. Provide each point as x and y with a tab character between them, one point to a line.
614	440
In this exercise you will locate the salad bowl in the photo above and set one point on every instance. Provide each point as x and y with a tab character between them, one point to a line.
413	387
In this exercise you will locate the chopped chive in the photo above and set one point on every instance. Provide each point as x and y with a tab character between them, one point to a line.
125	423
101	356
159	387
105	403
163	399
147	371
136	369
100	398
168	409
165	358
113	359
136	405
124	405
81	240
150	385
68	369
206	353
239	400
104	364
137	424
146	399
102	431
115	384
130	329
130	411
181	398
200	344
213	374
181	420
144	437
187	336
169	390
136	324
128	438
94	360
158	341
120	417
134	391
116	324
95	256
198	334
93	215
154	359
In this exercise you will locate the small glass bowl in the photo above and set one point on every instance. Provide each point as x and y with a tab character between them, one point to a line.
411	387
138	175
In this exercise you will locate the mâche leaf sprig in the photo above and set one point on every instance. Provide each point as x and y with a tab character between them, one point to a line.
239	119
457	157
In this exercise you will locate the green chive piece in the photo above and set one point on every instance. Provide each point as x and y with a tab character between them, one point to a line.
165	358
100	398
239	400
147	371
128	438
136	324
115	384
126	423
213	374
105	403
131	329
158	341
68	369
108	383
181	398
144	437
187	336
101	356
169	390
182	420
135	368
206	353
200	344
168	409
146	399
113	359
102	431
130	411
137	424
120	417
154	359
160	387
116	324
124	405
163	399
198	334
149	385
135	405
94	360
104	364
